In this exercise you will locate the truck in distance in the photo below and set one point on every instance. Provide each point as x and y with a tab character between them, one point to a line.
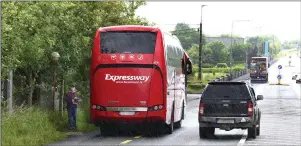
259	69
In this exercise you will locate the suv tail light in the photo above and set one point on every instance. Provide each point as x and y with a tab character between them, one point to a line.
201	109
250	109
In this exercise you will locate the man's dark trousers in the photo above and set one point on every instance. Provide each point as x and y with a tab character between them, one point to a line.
72	118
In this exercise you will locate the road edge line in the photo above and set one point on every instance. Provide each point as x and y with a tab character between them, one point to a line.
243	138
126	141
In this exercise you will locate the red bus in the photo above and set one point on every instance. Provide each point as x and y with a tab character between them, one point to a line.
138	76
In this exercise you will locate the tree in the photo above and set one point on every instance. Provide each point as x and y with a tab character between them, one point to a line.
219	52
188	36
229	36
239	52
33	30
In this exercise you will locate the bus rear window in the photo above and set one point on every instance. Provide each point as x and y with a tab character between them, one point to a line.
128	42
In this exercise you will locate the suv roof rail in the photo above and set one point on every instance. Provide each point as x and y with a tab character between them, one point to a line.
247	82
227	83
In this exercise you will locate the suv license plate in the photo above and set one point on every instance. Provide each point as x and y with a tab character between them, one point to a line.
126	113
224	121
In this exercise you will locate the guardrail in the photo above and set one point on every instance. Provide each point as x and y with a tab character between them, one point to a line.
234	75
229	76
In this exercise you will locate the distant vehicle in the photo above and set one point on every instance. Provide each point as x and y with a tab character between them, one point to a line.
229	105
138	76
259	69
297	77
298	80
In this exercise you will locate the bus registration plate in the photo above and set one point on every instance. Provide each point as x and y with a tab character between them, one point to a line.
126	113
225	121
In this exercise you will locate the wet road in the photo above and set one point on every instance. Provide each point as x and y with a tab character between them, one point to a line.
280	123
281	110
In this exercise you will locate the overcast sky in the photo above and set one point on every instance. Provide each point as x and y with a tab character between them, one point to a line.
279	18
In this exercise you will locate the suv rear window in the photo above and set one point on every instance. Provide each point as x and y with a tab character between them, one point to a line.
128	42
224	91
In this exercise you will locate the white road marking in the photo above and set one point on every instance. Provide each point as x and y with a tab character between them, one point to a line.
243	138
258	91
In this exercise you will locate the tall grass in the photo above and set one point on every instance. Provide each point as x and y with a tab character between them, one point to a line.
36	126
30	126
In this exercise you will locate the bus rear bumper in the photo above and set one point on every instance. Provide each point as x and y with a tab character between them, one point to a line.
140	118
259	78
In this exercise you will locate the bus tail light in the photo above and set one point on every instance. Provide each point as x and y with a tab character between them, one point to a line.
201	109
155	108
98	107
250	109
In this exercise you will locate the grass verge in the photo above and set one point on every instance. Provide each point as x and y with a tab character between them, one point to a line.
36	126
194	85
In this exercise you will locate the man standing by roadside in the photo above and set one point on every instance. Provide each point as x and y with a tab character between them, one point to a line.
72	103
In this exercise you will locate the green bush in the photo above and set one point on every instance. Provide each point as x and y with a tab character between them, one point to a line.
207	65
237	69
195	88
242	65
216	70
221	65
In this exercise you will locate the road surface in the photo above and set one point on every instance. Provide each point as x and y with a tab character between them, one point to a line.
280	123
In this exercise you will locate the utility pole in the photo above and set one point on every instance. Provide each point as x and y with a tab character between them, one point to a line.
201	46
0	78
231	49
10	92
274	49
231	56
247	54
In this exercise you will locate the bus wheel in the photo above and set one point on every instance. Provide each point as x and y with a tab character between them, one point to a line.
104	131
179	123
171	125
107	130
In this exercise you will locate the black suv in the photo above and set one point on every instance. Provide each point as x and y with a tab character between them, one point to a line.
229	105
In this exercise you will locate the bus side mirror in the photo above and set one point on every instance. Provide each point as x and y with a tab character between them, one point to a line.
269	65
189	68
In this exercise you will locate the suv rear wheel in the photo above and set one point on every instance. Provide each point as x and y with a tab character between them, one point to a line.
258	127
252	132
206	132
108	130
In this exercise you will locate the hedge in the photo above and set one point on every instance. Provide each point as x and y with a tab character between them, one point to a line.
221	65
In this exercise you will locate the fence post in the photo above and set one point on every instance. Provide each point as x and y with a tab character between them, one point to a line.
10	91
62	97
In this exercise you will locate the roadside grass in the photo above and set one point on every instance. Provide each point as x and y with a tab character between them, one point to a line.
195	85
288	52
36	126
